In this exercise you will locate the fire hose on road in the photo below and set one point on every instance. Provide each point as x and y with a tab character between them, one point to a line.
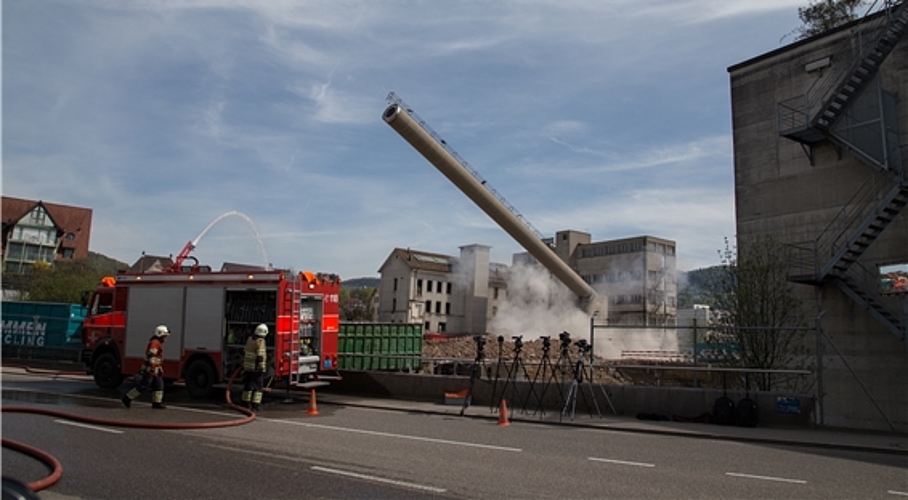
57	468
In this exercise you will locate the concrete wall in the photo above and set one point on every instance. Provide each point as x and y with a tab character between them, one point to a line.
779	192
628	400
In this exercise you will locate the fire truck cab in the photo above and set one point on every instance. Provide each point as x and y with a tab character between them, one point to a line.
210	315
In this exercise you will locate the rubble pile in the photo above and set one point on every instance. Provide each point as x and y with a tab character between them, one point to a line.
464	348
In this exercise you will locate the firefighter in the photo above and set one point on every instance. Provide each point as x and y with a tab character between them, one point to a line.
151	376
254	363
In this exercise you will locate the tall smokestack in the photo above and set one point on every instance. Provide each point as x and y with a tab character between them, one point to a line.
412	132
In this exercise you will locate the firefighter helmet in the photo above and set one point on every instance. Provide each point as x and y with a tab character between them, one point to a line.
261	330
161	331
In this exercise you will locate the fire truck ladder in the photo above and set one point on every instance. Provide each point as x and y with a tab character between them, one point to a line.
294	337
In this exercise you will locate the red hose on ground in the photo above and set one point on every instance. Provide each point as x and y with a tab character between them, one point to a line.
53	463
57	468
39	371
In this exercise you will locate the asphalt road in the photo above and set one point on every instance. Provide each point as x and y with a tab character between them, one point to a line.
354	452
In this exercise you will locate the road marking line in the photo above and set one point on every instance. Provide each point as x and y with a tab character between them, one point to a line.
767	478
379	479
400	436
900	493
620	462
86	426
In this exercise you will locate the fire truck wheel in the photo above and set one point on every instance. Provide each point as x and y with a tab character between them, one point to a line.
200	378
106	371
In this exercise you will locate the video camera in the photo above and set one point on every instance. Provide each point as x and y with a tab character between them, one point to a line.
546	342
518	342
565	338
583	345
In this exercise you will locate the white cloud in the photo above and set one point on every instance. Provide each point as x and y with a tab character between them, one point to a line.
162	115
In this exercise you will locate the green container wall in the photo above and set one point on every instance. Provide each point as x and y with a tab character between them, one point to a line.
379	346
42	324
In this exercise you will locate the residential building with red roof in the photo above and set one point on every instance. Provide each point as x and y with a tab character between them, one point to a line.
40	231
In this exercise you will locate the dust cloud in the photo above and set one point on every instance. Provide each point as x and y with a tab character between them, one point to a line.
538	305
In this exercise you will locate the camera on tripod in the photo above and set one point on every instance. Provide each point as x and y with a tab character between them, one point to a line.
546	342
583	345
518	342
565	338
480	340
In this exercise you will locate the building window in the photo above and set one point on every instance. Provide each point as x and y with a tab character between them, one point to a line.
428	325
428	306
429	286
438	307
447	308
494	310
38	216
67	253
439	287
449	287
442	326
418	287
395	284
393	305
15	251
495	293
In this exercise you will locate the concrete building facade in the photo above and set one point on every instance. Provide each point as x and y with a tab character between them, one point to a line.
444	293
462	294
638	274
820	136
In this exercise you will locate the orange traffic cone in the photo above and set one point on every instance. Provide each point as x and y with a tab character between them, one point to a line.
313	407
503	414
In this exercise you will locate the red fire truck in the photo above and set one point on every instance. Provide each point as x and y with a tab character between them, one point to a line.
210	315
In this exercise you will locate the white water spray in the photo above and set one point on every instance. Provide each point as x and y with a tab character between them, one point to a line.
255	231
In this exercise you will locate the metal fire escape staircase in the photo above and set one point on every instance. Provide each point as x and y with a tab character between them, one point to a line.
850	109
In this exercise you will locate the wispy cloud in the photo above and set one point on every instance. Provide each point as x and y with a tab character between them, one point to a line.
162	115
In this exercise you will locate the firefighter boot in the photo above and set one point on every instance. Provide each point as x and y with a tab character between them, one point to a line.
256	401
127	399
156	400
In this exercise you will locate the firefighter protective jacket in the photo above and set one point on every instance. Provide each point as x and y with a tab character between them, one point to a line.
255	356
154	357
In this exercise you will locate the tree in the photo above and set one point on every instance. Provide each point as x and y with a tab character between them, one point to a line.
65	280
758	311
823	15
354	303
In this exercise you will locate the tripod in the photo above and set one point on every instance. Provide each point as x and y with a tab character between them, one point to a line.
475	370
579	374
562	367
516	364
541	374
497	372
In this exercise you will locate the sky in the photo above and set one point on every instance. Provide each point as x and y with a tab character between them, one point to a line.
254	128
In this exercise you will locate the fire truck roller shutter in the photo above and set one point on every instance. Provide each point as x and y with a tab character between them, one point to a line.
204	327
150	306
